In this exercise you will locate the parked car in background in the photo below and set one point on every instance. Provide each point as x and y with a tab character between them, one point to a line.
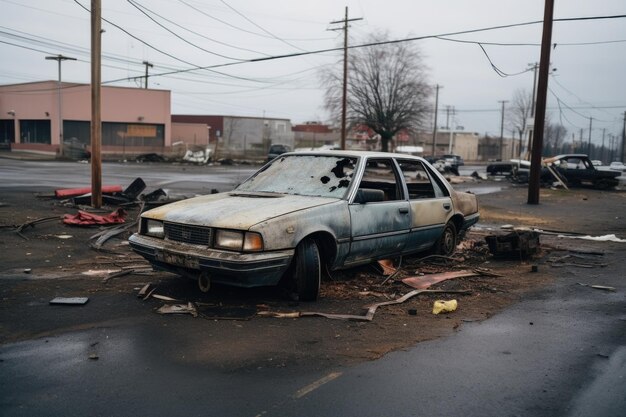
617	166
277	149
454	160
304	213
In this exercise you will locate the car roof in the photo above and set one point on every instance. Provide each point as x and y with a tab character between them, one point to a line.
357	154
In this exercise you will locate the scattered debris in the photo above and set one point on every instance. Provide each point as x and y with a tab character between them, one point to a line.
425	281
111	232
69	300
369	315
188	308
605	238
164	297
150	157
19	229
82	218
117	274
441	306
565	261
597	287
197	155
387	266
149	293
517	244
143	291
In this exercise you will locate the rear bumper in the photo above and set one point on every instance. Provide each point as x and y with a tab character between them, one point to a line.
469	221
232	268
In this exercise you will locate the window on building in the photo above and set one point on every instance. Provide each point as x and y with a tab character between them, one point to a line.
7	133
35	131
79	130
133	134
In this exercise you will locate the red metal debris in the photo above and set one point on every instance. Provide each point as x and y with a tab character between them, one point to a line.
84	218
73	192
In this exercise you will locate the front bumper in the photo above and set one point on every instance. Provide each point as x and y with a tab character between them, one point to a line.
232	268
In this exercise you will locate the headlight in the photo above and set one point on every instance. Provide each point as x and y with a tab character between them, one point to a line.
154	228
238	241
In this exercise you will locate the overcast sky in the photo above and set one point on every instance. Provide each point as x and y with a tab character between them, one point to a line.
589	57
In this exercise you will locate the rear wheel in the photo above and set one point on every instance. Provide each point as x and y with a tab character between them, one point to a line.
447	242
307	273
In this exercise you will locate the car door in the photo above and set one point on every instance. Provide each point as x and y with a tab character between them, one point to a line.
430	204
378	228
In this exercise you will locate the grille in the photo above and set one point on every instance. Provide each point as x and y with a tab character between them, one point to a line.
196	235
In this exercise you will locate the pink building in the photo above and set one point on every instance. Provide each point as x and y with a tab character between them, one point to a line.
134	120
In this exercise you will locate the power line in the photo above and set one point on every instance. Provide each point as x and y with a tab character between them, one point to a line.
196	67
260	27
245	30
411	39
141	9
497	70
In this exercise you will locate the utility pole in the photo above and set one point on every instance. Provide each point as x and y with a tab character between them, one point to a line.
449	111
96	119
147	64
437	87
540	113
589	140
344	98
532	111
59	58
502	128
623	156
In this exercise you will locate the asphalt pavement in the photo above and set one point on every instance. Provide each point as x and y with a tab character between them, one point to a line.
558	351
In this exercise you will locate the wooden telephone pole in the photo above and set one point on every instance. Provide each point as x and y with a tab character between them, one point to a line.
540	113
96	119
344	98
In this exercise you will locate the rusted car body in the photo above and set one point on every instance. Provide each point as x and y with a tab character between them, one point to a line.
306	212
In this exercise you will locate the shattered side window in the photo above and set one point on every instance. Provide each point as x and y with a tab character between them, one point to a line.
310	175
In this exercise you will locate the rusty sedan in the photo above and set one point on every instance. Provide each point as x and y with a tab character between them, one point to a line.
305	213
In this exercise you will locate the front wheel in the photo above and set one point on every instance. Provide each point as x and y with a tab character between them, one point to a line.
447	242
307	273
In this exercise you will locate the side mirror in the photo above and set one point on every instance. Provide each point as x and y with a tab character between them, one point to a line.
368	195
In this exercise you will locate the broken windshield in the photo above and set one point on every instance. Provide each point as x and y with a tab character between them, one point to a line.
310	175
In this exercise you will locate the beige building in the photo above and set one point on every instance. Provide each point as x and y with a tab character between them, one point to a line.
134	120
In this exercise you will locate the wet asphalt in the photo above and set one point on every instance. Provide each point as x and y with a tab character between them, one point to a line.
560	351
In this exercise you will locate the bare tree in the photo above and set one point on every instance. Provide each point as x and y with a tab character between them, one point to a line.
519	112
554	134
387	88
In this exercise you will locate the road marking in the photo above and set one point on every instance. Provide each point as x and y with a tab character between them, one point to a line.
315	385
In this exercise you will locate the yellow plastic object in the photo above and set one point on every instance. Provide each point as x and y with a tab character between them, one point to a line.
442	306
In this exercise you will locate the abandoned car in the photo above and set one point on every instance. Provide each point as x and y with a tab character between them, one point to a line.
304	214
578	170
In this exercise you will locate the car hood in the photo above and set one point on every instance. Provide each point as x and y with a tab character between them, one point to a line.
236	210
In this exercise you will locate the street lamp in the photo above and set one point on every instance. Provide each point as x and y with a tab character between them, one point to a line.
60	58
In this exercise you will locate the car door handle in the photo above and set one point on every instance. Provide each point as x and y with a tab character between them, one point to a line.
447	206
403	210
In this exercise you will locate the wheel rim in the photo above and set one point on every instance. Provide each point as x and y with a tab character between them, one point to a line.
448	241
